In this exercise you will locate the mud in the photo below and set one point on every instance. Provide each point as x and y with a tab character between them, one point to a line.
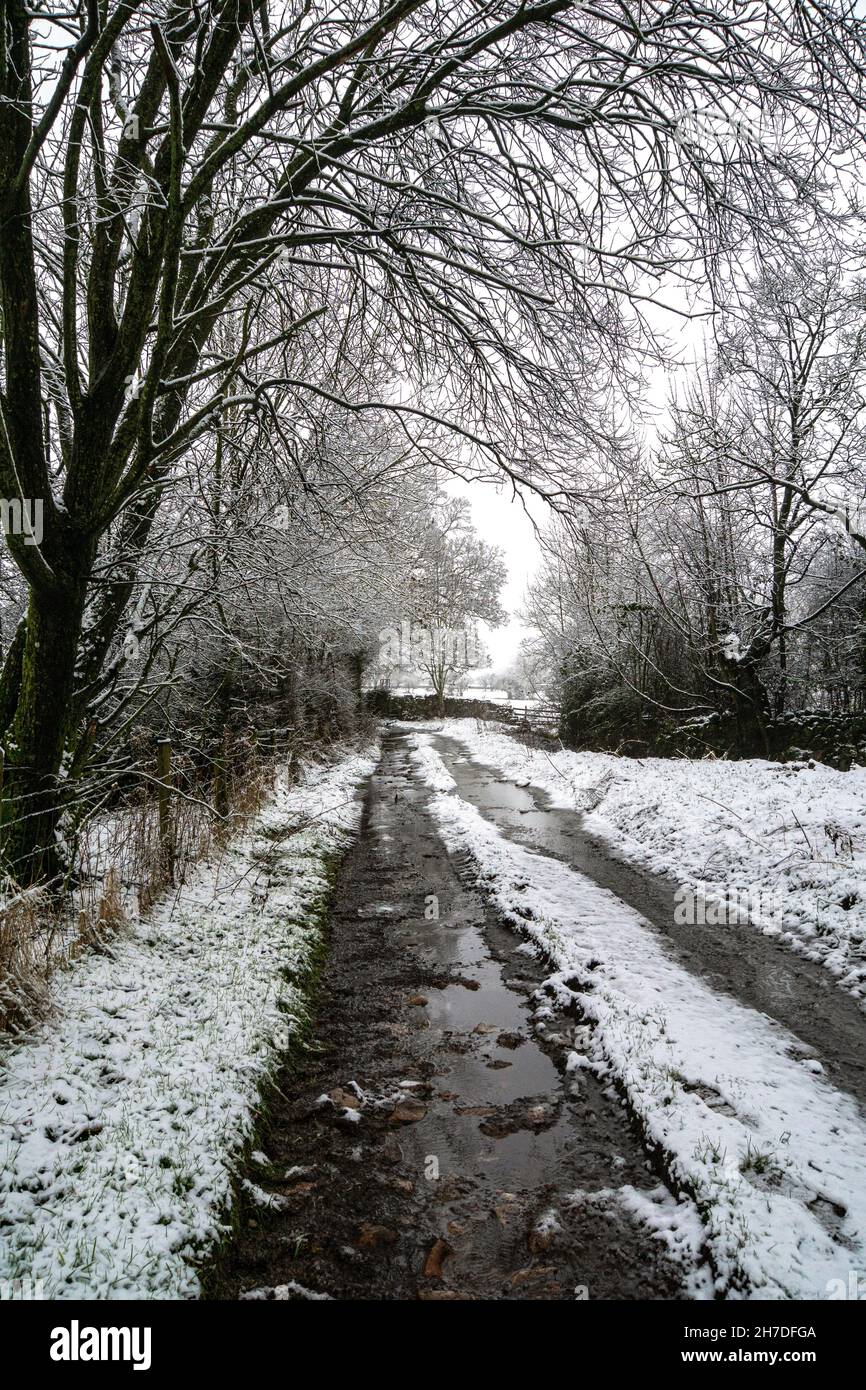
736	960
429	1144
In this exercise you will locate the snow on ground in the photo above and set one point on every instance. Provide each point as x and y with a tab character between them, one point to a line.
780	845
122	1118
772	1155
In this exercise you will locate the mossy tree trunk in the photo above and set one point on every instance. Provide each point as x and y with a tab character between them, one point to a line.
39	734
746	698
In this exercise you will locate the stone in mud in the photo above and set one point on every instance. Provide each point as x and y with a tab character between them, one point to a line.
498	1126
484	1028
391	1152
449	1188
348	1119
417	999
459	1045
540	1239
499	1063
519	1115
436	1257
344	1100
510	1040
470	984
407	1112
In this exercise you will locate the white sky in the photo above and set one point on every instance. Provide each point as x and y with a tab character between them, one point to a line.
500	519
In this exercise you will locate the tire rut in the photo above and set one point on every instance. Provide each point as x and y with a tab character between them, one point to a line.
760	972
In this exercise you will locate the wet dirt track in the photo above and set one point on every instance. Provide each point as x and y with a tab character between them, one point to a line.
755	969
431	1145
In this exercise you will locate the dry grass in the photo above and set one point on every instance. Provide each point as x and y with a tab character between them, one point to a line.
121	867
29	951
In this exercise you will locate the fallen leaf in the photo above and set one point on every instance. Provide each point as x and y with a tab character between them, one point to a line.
436	1256
370	1237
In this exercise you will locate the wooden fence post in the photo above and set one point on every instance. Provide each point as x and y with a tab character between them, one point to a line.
221	795
163	772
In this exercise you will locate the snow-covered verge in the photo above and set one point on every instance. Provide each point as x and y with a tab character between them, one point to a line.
780	845
739	1114
122	1119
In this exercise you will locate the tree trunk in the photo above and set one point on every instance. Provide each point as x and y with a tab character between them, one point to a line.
440	699
749	707
37	736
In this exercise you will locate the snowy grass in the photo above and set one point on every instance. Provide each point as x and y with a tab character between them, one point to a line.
738	1112
123	1117
789	838
118	870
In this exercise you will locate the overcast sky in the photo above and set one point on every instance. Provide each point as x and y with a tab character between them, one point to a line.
501	520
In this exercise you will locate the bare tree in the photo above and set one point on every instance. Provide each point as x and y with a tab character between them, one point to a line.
454	585
715	554
482	187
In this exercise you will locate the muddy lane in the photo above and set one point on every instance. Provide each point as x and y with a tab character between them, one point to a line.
430	1143
736	960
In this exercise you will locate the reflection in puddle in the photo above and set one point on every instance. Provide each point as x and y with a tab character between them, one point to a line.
477	1073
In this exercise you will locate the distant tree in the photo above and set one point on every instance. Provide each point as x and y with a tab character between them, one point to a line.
455	585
